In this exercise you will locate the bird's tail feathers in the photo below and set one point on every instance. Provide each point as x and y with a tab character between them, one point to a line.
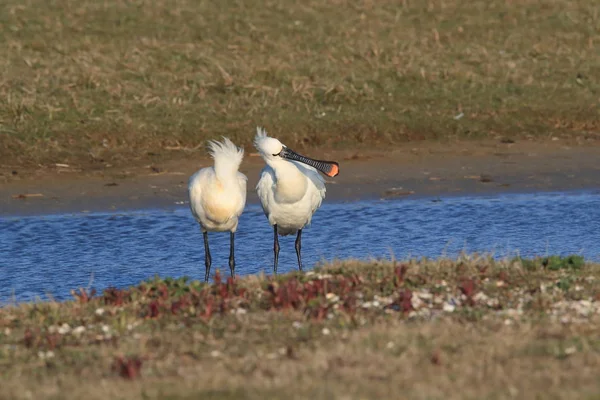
227	156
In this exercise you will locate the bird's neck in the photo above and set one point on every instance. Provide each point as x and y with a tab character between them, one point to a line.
290	182
225	172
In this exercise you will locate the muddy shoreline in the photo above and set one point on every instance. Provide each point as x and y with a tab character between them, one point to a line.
406	171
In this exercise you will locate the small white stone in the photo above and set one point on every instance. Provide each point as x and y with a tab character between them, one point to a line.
99	311
570	350
366	304
585	303
331	296
449	307
383	299
79	330
64	329
416	302
389	345
105	328
425	295
297	324
480	296
45	355
215	353
326	331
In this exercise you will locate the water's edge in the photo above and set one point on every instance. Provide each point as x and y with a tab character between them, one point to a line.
55	253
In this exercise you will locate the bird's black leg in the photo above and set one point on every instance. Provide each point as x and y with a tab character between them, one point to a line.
207	259
275	248
298	247
231	255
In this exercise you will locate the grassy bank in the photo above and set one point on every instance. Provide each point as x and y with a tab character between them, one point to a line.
472	328
98	83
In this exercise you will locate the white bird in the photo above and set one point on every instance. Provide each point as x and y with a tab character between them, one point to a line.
218	196
290	189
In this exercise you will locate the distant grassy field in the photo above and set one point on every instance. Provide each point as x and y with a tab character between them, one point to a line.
467	329
94	82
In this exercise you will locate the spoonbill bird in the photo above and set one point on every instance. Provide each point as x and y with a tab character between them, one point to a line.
218	196
290	189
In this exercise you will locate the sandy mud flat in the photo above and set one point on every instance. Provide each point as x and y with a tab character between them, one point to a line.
406	171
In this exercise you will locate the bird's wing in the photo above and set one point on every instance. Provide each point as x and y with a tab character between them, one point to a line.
315	178
195	185
319	194
242	180
316	186
311	173
264	188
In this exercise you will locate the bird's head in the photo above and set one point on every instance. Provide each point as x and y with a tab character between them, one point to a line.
272	150
268	147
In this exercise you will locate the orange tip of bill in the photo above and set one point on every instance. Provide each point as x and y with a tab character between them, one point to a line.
335	169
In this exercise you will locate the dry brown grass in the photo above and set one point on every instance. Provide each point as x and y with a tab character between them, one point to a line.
116	81
350	330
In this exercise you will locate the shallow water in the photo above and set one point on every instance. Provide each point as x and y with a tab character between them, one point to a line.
50	255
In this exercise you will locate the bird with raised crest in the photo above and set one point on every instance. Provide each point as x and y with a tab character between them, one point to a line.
218	196
290	189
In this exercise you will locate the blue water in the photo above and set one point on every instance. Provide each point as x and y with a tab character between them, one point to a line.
47	256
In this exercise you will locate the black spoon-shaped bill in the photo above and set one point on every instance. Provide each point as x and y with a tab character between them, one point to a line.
329	168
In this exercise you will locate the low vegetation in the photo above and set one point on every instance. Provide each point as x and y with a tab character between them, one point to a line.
471	328
96	83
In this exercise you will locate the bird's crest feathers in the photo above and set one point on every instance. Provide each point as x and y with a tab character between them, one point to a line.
267	146
227	156
261	135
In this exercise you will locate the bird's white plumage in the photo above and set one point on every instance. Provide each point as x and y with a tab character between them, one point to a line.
290	192
218	193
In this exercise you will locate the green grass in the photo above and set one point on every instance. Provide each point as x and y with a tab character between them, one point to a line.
470	328
96	82
553	263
